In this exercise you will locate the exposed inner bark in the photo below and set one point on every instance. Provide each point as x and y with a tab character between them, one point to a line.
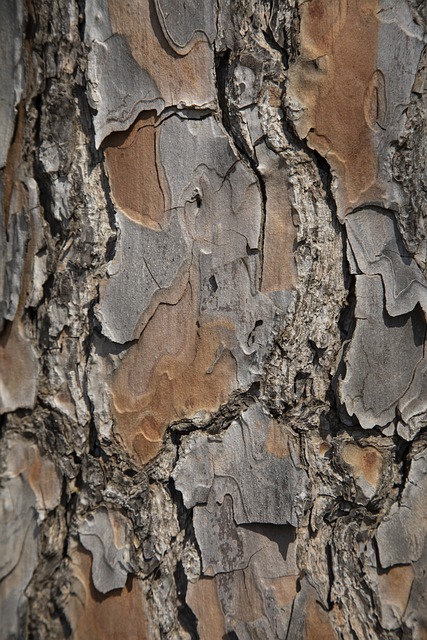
213	383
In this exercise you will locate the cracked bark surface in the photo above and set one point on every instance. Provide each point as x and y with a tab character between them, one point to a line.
213	380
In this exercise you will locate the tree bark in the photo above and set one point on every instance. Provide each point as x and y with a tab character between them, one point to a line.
213	289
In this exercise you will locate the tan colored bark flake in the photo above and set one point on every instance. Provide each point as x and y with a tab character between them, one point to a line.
134	173
336	94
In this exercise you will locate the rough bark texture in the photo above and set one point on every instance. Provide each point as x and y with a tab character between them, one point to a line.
213	289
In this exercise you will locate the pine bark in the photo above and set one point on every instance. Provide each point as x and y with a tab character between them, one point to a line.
213	382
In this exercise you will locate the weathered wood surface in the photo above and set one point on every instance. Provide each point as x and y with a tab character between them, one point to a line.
213	379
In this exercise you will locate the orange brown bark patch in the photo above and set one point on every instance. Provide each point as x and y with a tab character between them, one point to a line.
364	460
181	365
202	598
277	440
278	271
248	605
394	587
337	94
285	589
40	472
121	614
44	481
176	76
134	173
278	265
317	623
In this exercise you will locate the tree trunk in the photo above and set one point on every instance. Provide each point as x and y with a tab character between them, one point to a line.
213	380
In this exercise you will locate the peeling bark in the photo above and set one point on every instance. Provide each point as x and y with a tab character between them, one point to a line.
213	379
